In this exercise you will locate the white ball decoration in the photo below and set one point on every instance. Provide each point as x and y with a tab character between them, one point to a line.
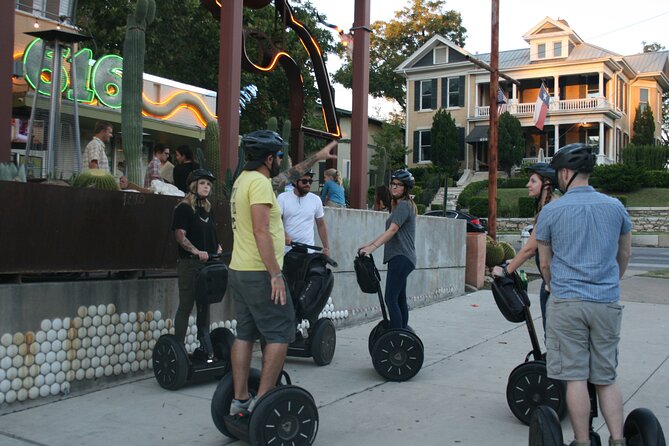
56	367
56	324
228	324
140	336
61	334
76	364
67	323
90	373
113	359
40	336
12	350
123	338
81	311
82	333
134	366
65	388
51	357
105	340
60	377
49	379
144	345
104	361
45	347
45	325
189	339
101	330
39	380
110	329
33	370
44	391
3	351
111	308
86	363
56	345
5	385
22	394
161	324
109	370
77	322
92	331
152	344
148	354
81	353
118	349
6	340
140	316
118	369
233	324
90	352
40	358
3	374
127	347
100	351
97	321
124	318
92	310
142	364
10	396
115	318
33	393
156	334
63	355
17	383
95	362
86	342
127	327
119	328
12	373
131	357
132	317
122	358
102	309
17	361
126	367
28	382
140	355
19	338
88	321
55	389
99	372
66	366
132	336
80	374
95	341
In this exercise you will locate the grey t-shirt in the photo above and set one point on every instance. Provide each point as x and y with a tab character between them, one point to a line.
402	243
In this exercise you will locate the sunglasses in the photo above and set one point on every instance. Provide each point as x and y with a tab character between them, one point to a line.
279	154
396	184
306	181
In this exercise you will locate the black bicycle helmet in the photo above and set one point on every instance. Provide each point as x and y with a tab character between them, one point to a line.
199	174
578	157
404	176
261	143
544	170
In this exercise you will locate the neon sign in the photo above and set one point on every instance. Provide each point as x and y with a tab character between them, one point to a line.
99	80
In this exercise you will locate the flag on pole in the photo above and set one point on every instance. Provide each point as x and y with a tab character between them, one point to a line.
501	101
541	107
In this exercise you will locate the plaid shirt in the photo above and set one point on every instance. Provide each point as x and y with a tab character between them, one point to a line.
95	150
152	172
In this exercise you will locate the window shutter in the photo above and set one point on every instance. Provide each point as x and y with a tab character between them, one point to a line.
461	93
416	145
444	92
434	94
416	96
461	142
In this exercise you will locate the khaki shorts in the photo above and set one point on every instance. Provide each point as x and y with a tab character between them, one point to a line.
582	340
257	315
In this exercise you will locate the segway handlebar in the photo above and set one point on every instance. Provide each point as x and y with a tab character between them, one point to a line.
303	247
213	257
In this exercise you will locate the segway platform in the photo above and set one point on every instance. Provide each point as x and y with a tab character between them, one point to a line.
397	353
173	366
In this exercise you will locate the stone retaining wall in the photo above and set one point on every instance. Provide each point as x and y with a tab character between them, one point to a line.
643	218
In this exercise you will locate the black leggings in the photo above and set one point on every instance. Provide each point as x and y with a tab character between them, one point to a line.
399	268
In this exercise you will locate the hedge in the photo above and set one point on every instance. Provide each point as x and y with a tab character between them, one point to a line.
421	208
618	177
656	178
622	198
469	192
514	183
478	206
526	207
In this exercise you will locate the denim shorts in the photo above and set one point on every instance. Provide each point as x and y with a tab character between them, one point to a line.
257	315
582	340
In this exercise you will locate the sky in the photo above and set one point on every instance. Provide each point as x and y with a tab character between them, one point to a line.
602	23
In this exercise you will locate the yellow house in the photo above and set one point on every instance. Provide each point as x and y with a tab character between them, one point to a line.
594	94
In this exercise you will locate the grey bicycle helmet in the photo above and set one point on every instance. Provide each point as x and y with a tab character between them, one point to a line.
199	174
578	157
544	170
404	176
261	143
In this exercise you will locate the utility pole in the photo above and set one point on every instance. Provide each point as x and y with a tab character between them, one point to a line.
6	53
492	136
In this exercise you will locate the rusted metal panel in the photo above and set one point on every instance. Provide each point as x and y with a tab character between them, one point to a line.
50	228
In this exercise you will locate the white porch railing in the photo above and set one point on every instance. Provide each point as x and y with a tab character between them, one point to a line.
585	104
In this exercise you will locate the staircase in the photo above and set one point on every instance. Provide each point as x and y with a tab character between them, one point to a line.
454	192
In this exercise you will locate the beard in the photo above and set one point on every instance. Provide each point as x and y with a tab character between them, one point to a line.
275	168
302	191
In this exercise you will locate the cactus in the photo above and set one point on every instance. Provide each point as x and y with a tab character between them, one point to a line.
494	254
134	48
273	124
9	172
212	157
97	179
509	252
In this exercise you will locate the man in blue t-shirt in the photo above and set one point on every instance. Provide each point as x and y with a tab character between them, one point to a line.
585	243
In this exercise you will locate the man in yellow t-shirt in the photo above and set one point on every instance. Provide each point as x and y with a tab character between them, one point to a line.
255	281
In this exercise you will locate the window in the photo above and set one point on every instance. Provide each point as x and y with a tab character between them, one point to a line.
441	54
541	51
347	169
557	49
453	91
422	142
643	99
426	95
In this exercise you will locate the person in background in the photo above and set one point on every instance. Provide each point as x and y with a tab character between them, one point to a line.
381	199
540	186
95	155
333	192
585	243
400	251
160	155
185	165
299	210
167	171
194	228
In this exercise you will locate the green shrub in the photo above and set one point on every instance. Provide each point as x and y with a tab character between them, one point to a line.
646	157
478	206
421	208
619	177
514	183
622	198
526	207
437	207
471	190
656	178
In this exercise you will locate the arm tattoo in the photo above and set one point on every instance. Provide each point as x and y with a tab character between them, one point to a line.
186	244
294	173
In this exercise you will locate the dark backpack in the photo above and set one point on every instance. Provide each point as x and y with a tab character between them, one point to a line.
510	297
211	282
367	275
310	282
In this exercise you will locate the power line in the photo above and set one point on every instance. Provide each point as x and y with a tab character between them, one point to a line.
628	26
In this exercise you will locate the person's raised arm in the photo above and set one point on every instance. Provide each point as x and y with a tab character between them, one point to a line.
295	172
624	252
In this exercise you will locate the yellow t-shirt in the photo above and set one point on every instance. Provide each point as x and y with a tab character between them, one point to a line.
252	187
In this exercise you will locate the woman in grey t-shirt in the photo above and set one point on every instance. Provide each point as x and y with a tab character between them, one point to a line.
400	252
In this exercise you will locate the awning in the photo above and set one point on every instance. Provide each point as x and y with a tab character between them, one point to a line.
478	134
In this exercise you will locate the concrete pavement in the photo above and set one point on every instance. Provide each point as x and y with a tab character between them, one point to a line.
457	398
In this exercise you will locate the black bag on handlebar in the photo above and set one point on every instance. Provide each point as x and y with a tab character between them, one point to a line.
310	282
367	275
211	282
510	297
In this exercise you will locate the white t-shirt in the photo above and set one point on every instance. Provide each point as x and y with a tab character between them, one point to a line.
299	214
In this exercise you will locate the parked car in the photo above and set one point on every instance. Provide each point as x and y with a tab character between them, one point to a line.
474	224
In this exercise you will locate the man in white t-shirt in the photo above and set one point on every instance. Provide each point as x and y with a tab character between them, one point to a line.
299	209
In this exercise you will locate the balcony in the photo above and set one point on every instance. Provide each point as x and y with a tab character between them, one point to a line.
584	105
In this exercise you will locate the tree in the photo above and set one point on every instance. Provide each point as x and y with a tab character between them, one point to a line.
510	142
444	149
643	127
393	41
649	48
390	151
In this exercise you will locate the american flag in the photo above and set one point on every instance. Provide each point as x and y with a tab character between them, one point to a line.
501	101
541	107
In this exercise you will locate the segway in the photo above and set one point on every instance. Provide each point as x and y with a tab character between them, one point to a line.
641	427
286	415
310	283
528	386
397	353
173	366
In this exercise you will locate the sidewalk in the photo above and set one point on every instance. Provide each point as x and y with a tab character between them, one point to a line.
457	398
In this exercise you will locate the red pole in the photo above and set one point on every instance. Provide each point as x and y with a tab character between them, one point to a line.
6	55
492	140
229	80
359	123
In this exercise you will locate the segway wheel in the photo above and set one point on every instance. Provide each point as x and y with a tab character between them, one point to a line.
222	340
642	428
222	399
529	387
545	428
375	333
286	415
170	362
397	355
323	341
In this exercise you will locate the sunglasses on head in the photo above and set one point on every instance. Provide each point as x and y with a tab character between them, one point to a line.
305	181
